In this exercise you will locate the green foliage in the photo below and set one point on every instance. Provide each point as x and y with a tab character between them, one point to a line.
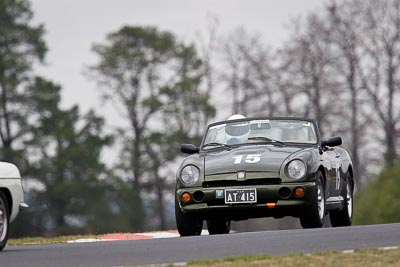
21	41
130	67
74	192
21	44
157	80
379	202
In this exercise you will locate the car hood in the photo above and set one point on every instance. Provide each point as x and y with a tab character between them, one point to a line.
260	158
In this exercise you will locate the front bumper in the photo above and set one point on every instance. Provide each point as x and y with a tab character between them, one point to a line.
23	205
205	205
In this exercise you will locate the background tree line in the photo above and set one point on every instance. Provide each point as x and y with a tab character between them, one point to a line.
339	65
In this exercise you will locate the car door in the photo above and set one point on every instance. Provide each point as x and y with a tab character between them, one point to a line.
338	162
332	164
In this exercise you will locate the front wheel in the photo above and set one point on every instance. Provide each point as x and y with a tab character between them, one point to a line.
344	217
4	220
314	215
216	227
187	224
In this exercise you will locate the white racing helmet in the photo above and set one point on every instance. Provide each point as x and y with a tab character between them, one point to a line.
236	117
237	132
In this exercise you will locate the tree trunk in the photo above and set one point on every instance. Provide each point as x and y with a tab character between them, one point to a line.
390	128
355	136
160	200
390	136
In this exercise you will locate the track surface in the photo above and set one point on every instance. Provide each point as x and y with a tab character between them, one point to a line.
169	250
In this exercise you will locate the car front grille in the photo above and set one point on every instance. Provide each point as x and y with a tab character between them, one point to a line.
222	183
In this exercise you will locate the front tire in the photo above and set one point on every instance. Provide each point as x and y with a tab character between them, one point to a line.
217	227
187	224
344	217
314	215
4	221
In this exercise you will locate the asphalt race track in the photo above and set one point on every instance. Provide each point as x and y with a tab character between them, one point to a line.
170	250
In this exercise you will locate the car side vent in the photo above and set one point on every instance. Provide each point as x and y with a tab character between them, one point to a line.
223	183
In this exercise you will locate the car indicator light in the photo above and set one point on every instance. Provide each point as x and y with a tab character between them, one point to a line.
299	192
186	197
271	205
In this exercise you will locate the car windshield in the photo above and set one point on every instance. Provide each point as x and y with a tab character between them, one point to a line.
274	131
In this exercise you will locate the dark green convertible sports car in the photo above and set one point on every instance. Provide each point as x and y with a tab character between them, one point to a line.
263	167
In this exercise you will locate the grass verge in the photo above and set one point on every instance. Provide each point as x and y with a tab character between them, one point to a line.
43	240
360	258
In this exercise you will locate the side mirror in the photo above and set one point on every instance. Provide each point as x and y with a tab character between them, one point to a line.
189	149
333	141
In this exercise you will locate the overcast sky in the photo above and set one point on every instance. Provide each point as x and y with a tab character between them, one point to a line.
73	26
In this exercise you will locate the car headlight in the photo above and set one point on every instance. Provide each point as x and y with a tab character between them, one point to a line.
296	169
190	175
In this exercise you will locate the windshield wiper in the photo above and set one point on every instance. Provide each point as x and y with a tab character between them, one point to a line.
263	138
217	144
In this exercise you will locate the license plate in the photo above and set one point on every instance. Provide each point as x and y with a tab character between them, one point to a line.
234	196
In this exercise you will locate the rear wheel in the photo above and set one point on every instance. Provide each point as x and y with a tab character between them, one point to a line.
4	220
216	227
344	217
314	215
187	224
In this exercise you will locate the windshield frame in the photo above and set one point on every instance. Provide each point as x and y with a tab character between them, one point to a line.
317	133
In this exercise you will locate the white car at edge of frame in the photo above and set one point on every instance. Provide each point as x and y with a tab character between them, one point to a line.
11	198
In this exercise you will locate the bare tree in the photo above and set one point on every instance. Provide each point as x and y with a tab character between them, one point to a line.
266	99
380	69
307	63
345	36
207	47
285	86
246	72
